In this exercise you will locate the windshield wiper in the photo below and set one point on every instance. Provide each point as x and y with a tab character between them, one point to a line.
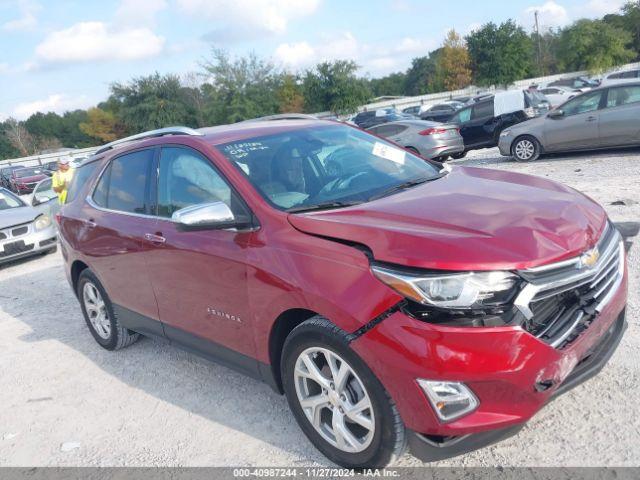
405	186
323	206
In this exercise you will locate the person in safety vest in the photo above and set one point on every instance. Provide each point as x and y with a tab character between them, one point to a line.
61	179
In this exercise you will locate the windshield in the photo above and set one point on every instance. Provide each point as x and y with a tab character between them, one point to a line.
332	166
8	200
28	172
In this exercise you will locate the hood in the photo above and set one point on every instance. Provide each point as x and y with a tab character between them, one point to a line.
16	216
471	219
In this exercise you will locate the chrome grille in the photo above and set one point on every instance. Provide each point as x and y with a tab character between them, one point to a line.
561	300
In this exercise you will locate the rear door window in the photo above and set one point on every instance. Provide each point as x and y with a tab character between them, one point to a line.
125	182
619	96
386	130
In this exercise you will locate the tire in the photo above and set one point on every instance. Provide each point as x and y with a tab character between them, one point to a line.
525	149
459	155
106	330
376	446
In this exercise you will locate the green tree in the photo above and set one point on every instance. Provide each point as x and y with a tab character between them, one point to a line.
290	95
453	65
241	88
593	45
7	149
421	76
102	125
392	85
151	102
500	54
334	86
629	20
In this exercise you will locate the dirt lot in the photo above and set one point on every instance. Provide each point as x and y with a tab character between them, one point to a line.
66	401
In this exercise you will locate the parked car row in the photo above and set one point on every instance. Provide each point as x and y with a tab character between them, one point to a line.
604	117
22	180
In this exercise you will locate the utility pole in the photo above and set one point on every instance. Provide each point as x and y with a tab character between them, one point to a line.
539	43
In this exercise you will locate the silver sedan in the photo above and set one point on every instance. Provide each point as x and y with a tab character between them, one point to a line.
602	118
25	228
432	140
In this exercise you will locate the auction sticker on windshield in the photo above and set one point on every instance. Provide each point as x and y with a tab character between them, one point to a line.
389	153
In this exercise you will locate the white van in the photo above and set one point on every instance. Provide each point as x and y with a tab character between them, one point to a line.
625	76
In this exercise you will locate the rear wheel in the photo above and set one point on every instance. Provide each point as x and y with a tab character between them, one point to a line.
525	149
339	404
98	313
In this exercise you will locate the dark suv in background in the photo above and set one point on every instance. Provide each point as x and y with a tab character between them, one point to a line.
481	124
394	302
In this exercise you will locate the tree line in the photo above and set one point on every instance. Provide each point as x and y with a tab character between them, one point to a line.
228	89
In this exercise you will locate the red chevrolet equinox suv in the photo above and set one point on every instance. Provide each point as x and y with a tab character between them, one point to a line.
394	301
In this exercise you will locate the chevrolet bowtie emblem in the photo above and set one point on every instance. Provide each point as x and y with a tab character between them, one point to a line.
590	258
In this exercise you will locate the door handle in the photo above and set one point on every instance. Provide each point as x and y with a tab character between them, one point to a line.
592	119
90	223
153	238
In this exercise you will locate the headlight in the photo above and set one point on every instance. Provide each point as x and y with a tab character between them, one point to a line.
473	290
42	222
505	133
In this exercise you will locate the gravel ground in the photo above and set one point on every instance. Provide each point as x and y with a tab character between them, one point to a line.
64	401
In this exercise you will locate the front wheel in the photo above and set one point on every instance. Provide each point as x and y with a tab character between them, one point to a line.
525	149
339	404
459	155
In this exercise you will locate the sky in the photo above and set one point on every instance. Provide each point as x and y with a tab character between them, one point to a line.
62	55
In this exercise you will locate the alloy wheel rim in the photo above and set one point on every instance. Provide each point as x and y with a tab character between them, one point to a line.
525	149
96	310
334	399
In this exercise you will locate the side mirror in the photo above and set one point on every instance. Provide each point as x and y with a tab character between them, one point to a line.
38	200
208	216
556	114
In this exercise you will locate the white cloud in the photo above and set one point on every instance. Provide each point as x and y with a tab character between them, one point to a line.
27	20
599	8
249	17
139	12
377	59
58	103
91	41
295	54
550	14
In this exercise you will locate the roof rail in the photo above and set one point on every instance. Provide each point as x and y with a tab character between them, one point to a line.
161	132
283	116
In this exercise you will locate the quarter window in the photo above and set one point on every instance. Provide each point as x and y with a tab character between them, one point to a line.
79	178
123	185
185	179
